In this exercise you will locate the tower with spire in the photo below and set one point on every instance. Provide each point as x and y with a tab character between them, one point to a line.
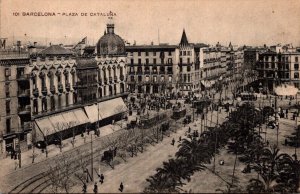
184	41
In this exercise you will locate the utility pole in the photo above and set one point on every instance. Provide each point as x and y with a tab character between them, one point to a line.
92	157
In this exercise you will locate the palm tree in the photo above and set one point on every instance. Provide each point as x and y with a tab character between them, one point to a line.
267	169
289	171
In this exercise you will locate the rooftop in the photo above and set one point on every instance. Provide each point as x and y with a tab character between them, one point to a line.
56	50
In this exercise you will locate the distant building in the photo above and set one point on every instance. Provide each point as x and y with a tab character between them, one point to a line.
277	68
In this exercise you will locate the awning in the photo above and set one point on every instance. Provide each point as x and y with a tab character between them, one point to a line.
70	119
111	107
92	113
58	122
52	124
81	116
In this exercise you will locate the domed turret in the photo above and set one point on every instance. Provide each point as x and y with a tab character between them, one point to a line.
110	43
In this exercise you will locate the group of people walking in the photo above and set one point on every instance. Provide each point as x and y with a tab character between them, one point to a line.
101	180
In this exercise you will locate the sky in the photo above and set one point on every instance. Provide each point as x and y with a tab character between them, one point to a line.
242	22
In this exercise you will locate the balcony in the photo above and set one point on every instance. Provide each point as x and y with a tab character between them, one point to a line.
68	86
35	92
23	110
52	89
23	77
24	93
44	90
60	87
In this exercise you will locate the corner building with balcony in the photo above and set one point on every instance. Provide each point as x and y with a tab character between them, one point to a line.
55	93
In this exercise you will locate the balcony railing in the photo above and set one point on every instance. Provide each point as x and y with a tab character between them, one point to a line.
68	86
35	92
60	87
115	78
24	93
24	109
44	91
52	89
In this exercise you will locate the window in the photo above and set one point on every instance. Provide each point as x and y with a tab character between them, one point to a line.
184	53
59	101
296	59
35	106
140	61
139	78
189	53
170	61
132	78
296	66
188	60
131	61
154	78
59	78
52	101
67	99
162	78
296	75
139	53
8	107
154	53
180	53
267	65
180	60
7	72
43	82
180	68
170	78
188	68
44	104
154	61
8	126
7	90
147	61
147	54
147	78
170	53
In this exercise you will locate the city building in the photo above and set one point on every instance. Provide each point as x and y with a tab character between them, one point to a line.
55	92
152	68
14	90
276	68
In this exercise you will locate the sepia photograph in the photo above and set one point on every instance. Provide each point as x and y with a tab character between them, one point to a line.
149	96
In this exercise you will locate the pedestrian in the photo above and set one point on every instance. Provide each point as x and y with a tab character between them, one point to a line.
102	178
189	129
84	187
179	139
173	142
121	187
95	188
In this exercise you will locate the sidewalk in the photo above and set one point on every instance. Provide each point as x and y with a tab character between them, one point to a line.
9	165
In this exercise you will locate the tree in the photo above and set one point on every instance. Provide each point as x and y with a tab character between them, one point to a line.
60	174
